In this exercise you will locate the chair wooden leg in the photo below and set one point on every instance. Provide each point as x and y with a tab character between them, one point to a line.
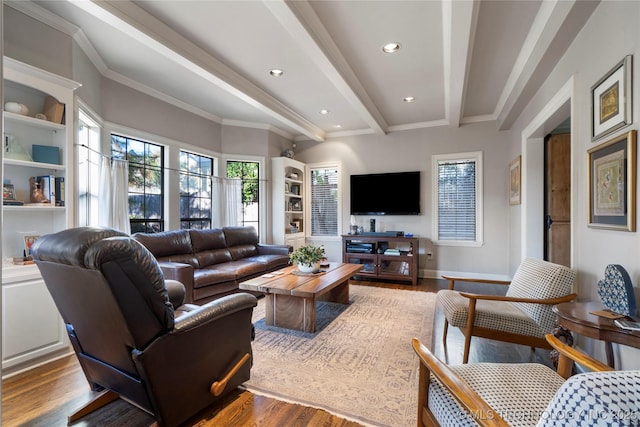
444	332
102	399
467	346
471	318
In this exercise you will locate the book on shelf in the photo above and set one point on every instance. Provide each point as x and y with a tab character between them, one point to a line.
392	251
59	191
22	260
12	202
48	187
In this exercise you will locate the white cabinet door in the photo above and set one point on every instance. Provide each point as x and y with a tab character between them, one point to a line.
32	326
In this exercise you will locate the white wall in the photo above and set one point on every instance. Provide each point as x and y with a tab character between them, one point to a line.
611	33
412	150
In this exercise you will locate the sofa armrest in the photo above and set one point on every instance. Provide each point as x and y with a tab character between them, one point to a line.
183	273
264	249
176	292
214	310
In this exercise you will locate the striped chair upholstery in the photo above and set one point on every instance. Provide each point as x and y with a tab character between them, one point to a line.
534	279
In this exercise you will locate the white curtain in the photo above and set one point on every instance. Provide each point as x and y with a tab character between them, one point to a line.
104	193
120	196
113	202
227	202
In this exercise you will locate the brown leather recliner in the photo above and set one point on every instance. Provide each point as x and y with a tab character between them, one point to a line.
131	337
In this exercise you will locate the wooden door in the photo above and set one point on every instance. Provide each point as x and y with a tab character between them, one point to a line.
558	199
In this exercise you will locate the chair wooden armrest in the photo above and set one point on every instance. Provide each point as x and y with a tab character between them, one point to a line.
569	355
453	279
548	301
475	405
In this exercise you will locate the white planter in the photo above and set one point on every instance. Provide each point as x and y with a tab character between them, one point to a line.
309	268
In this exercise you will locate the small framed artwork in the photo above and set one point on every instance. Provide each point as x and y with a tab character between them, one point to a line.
611	100
296	205
8	192
514	181
612	183
28	243
295	189
287	189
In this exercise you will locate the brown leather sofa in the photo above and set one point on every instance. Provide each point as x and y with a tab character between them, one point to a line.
212	263
133	336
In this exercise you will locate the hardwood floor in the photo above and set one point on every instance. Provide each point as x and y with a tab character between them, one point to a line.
46	395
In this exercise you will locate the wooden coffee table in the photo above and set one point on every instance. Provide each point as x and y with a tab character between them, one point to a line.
291	296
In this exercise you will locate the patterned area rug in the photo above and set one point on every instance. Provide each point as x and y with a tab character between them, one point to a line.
359	365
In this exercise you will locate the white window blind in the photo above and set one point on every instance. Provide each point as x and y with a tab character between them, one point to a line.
324	202
458	197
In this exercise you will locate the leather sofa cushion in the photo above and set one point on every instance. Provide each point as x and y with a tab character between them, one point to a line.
242	268
176	242
243	251
270	261
211	276
202	240
236	236
212	257
184	259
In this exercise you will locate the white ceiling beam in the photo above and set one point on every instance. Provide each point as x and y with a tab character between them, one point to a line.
546	26
137	23
305	27
459	19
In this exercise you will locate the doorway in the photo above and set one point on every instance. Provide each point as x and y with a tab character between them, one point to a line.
555	112
557	196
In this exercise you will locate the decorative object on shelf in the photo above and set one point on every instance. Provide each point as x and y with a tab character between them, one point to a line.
46	154
296	205
308	258
514	181
288	153
35	192
612	178
611	100
28	243
8	192
16	107
41	116
616	291
14	150
53	110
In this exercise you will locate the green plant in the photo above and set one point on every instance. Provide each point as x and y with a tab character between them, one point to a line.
308	254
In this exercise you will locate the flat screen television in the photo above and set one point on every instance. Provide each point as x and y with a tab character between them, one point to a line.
396	193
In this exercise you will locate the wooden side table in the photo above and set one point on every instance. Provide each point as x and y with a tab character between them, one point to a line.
577	317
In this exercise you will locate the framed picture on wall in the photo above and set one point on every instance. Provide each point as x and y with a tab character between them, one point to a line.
612	183
611	100
514	181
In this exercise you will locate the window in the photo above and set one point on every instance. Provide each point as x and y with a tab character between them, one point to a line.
324	201
146	178
195	190
458	198
89	159
248	172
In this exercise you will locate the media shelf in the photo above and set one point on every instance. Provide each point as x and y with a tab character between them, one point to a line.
383	257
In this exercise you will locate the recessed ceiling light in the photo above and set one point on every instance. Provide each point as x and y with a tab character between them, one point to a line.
391	47
337	126
276	72
324	112
409	99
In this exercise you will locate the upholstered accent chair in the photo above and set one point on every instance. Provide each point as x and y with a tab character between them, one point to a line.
526	394
132	334
522	316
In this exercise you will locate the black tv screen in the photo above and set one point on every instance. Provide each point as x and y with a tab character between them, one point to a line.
395	193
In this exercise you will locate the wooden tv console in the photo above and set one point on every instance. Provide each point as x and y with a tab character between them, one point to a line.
369	250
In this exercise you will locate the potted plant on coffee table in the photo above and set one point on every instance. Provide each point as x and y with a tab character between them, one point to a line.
308	258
